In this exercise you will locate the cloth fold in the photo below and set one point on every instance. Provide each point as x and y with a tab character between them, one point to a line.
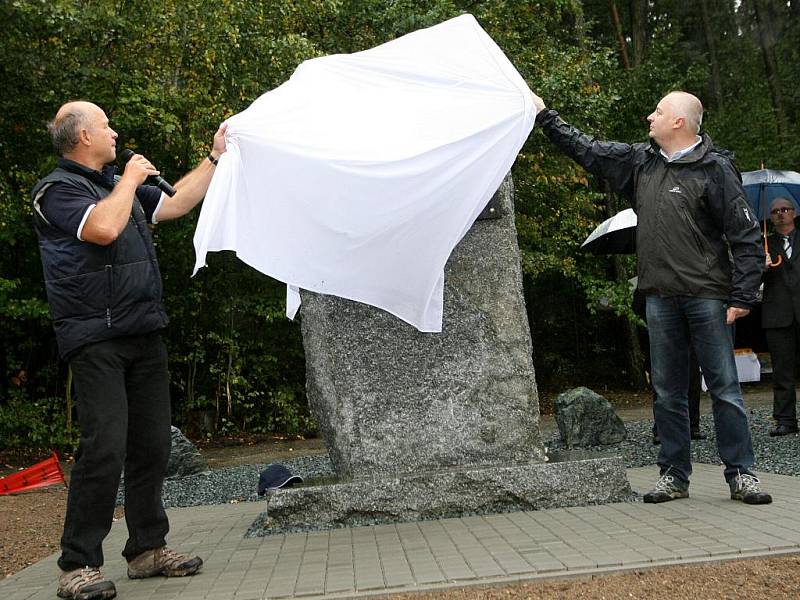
359	175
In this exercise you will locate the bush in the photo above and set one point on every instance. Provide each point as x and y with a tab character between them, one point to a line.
35	424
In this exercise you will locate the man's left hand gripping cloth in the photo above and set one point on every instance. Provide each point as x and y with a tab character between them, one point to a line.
359	175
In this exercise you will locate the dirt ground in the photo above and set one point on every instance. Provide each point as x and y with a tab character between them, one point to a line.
30	528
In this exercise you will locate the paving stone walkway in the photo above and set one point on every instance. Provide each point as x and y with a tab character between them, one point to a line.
566	542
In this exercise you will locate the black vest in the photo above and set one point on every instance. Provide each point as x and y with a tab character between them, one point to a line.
97	292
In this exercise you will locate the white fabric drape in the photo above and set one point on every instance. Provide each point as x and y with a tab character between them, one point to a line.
359	175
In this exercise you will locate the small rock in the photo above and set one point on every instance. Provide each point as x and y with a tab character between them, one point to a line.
586	419
184	459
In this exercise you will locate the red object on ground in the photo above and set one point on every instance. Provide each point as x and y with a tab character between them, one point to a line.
39	475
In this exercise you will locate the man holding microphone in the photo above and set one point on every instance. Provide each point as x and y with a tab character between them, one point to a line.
104	290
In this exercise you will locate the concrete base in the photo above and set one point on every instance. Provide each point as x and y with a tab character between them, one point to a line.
446	493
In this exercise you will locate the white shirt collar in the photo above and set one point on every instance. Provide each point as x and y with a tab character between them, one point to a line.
681	153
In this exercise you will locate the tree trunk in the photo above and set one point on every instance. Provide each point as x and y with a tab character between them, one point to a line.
634	358
638	29
711	45
766	43
623	48
629	336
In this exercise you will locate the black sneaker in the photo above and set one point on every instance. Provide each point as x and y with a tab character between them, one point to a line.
783	429
666	489
696	434
745	487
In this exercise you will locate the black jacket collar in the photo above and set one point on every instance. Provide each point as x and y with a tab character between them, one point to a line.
104	178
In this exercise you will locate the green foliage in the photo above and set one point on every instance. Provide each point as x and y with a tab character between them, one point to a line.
38	423
168	77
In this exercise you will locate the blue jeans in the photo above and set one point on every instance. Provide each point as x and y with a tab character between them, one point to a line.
674	324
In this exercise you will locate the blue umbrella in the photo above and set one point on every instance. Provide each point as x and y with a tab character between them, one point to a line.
762	187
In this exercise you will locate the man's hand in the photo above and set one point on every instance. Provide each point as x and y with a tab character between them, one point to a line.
193	186
770	264
219	147
110	215
734	313
537	102
137	169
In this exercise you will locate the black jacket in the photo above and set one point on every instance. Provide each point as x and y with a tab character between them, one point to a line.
781	305
97	292
696	235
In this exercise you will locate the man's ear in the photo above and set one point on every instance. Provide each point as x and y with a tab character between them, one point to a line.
84	137
679	122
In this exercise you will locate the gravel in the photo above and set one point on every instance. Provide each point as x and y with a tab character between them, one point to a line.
229	485
238	484
779	455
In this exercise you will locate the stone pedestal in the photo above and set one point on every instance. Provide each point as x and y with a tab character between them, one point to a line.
445	493
428	425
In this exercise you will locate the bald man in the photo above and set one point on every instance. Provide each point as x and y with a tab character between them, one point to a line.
780	314
104	289
692	214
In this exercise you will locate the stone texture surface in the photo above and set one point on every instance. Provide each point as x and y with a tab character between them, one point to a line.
448	493
586	419
184	459
390	399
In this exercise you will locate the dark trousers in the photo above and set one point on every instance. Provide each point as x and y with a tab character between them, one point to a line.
122	390
784	345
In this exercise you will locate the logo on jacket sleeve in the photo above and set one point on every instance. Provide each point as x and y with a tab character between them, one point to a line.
676	190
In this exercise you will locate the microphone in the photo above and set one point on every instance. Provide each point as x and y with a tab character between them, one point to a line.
165	187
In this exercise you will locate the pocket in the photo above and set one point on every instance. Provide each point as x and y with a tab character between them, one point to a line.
743	216
702	247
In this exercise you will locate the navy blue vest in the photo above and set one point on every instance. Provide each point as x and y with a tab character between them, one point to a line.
97	292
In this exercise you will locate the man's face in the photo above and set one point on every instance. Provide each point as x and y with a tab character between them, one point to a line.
103	138
782	214
661	121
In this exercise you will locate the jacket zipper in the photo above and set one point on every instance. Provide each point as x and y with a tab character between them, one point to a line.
697	238
109	279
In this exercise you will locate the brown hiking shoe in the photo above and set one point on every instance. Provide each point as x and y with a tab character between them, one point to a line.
747	488
87	583
163	561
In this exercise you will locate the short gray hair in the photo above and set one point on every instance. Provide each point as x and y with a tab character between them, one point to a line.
694	118
65	129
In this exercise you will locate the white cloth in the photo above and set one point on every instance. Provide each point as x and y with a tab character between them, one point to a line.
359	175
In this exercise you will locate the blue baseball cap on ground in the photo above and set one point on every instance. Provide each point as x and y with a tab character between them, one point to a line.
276	476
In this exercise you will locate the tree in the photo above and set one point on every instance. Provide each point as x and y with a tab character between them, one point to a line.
168	80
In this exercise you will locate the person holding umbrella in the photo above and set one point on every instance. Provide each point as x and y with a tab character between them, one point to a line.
617	235
780	313
692	213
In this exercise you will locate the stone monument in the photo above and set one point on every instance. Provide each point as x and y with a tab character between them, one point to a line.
425	425
391	399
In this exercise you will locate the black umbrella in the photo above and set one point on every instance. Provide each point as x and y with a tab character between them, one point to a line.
616	235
